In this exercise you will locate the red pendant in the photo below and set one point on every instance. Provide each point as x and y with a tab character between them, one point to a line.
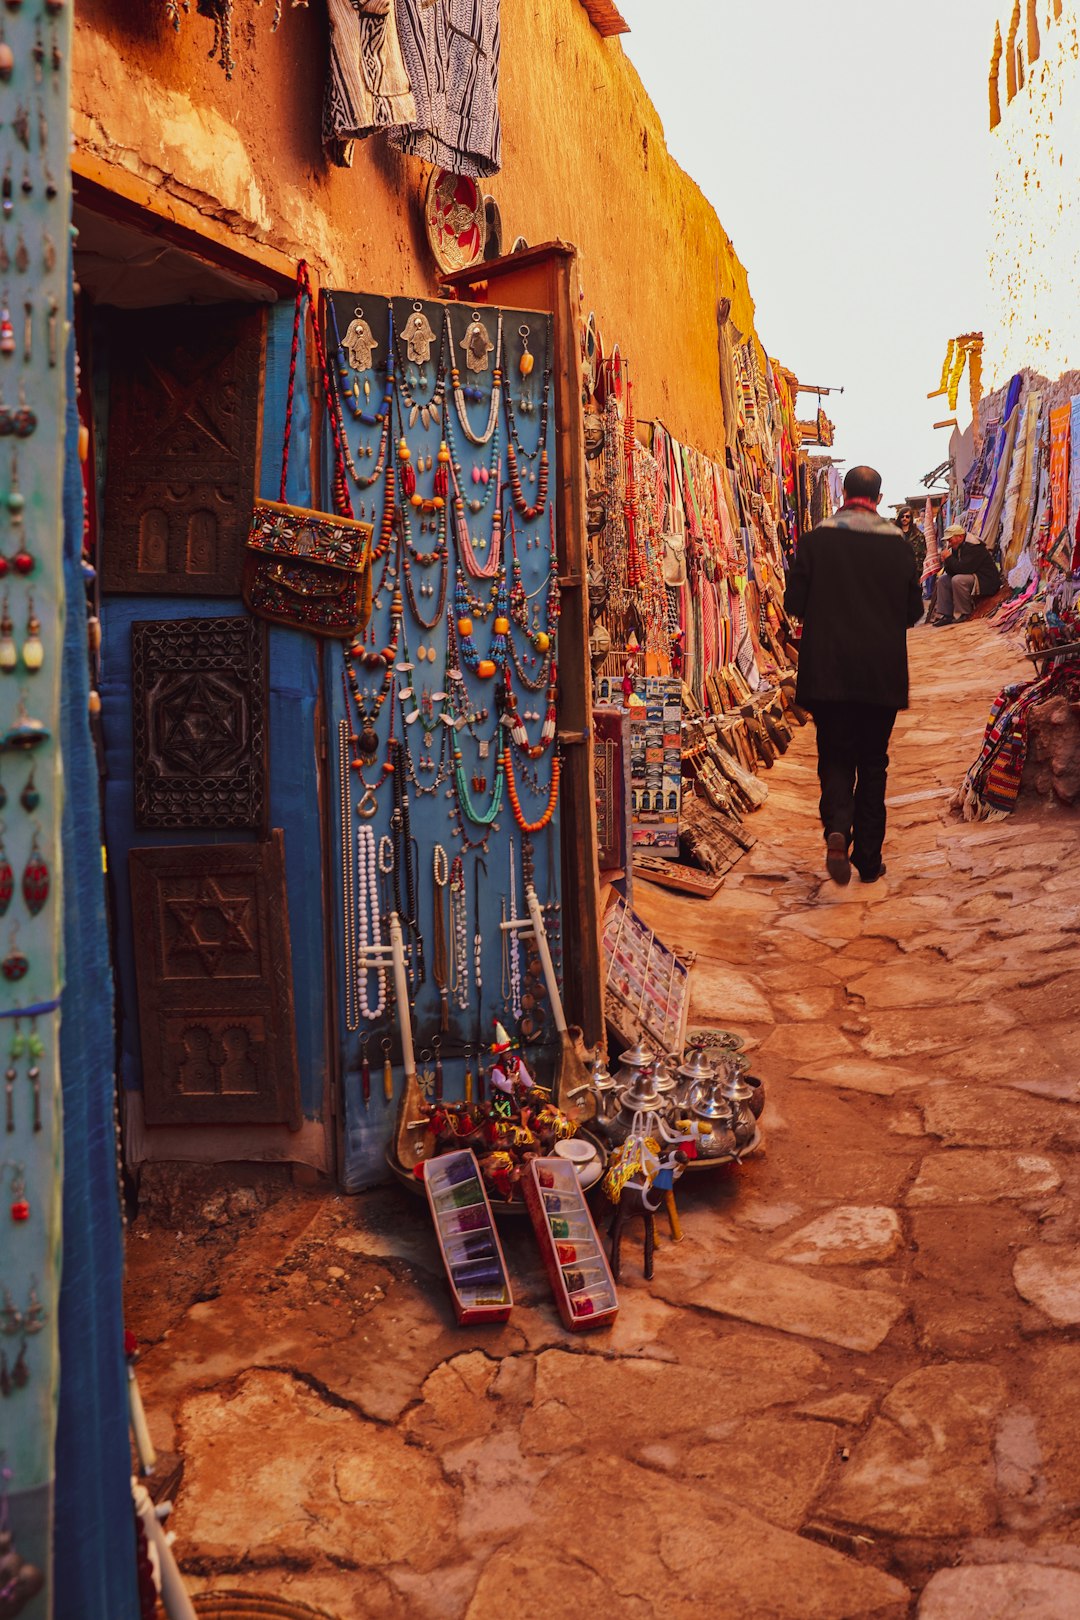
7	884
35	882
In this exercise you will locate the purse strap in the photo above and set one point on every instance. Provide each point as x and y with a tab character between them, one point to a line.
342	503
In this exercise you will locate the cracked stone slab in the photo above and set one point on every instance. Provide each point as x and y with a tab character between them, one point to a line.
971	1176
849	1235
990	1116
1021	1591
904	986
847	1406
786	1298
666	1557
324	1480
590	1402
926	1465
774	1465
1049	1277
863	1074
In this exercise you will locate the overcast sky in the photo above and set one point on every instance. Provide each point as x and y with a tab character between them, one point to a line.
845	146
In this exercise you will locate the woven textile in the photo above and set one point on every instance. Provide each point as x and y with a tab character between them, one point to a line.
990	788
367	88
451	53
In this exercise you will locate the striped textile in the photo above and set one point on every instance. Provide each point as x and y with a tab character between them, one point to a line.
451	52
367	88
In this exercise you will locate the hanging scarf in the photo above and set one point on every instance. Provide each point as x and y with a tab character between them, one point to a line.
451	53
1074	481
367	87
1060	424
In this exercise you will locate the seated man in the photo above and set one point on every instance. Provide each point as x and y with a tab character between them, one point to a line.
968	571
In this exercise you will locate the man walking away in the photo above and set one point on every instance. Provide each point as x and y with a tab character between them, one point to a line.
855	585
968	571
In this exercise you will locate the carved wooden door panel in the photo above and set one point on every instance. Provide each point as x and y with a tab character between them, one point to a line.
186	383
215	985
199	710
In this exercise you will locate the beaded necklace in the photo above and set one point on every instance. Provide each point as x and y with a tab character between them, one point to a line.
487	667
459	933
515	941
466	548
515	803
405	859
366	739
440	873
349	389
369	926
516	724
487	476
543	640
425	559
496	384
348	880
515	449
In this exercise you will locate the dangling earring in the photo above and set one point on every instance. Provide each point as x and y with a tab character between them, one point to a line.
14	965
7	876
33	652
35	878
9	653
29	798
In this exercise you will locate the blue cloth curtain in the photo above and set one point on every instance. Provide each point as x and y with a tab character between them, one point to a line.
94	1548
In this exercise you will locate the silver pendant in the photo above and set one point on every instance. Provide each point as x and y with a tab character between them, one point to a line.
418	335
477	344
359	342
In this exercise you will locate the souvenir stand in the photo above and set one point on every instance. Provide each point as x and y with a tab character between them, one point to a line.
447	716
687	556
34	61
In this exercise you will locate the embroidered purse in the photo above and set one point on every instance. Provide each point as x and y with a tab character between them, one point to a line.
309	570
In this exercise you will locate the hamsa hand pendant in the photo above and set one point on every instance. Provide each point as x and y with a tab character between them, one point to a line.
359	342
477	344
418	336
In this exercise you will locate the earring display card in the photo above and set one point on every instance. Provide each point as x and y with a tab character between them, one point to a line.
468	1241
655	759
573	1254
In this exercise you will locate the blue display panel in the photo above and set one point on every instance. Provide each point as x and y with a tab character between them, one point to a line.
441	717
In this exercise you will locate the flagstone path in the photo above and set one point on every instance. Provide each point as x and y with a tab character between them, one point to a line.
853	1391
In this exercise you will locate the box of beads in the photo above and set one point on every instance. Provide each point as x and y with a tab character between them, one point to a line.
576	1264
468	1241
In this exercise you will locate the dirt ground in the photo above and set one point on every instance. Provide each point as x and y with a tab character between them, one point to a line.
852	1391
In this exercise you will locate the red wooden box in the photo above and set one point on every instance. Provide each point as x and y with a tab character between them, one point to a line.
576	1264
468	1241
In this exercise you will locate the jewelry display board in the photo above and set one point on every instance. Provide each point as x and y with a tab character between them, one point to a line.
36	205
648	984
442	716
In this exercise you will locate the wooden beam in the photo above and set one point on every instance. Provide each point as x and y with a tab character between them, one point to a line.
113	191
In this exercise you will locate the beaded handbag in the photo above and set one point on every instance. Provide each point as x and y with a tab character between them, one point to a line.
309	570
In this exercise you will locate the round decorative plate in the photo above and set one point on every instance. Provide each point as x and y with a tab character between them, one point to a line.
615	373
454	217
493	231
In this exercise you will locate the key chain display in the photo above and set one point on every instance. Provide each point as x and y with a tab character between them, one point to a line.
35	208
446	707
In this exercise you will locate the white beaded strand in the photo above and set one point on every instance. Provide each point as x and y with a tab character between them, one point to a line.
370	922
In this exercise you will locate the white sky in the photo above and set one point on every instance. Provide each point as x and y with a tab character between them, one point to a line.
845	146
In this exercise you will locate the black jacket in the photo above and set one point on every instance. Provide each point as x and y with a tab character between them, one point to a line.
855	585
972	558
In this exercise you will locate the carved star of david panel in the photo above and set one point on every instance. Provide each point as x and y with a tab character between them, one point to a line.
215	985
185	392
199	708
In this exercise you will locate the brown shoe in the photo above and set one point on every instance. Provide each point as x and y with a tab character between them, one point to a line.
837	863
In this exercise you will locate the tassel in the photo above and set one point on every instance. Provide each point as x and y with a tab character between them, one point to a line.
438	1079
365	1078
388	1080
468	1086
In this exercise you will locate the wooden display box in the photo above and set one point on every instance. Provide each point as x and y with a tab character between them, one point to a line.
573	1254
468	1241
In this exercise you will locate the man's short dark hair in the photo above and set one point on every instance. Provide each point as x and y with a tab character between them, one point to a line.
863	484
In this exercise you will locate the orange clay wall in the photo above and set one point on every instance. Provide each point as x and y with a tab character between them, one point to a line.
584	160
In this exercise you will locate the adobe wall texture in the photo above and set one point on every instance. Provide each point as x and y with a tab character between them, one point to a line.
584	159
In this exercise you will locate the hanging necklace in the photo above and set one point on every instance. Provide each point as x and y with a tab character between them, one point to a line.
515	803
488	476
459	935
425	559
369	926
366	739
465	545
405	861
490	666
440	872
515	449
515	940
358	347
418	337
475	331
348	881
543	640
516	724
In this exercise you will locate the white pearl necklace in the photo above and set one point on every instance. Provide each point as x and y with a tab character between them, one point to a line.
515	942
369	922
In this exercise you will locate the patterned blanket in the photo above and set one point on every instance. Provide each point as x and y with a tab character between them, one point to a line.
990	788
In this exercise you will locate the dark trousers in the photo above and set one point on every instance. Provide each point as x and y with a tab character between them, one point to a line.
853	763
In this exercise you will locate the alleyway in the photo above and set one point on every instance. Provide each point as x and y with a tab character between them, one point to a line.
859	1370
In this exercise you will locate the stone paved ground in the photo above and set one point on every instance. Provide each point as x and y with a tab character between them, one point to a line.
853	1391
